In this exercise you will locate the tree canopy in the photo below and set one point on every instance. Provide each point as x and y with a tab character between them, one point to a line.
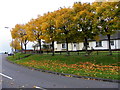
78	23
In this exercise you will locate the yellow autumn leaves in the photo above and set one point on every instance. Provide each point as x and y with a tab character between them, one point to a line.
64	23
89	68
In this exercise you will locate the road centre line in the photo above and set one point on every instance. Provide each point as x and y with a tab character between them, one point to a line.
40	88
5	76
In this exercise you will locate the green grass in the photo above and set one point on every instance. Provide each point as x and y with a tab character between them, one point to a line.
101	65
18	56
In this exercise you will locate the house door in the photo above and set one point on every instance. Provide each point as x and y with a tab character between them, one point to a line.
74	47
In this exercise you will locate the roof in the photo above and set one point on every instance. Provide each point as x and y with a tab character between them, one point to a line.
114	36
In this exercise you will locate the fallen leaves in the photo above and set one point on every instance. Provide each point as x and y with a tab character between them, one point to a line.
81	68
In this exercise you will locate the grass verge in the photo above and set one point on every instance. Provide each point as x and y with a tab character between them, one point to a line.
101	66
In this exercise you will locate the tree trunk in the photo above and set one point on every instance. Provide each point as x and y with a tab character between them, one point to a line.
86	46
109	44
67	47
25	47
53	53
39	41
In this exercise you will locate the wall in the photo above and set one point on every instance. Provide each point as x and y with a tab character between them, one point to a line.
118	44
79	46
104	45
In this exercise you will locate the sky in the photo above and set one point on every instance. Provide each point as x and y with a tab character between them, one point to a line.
14	12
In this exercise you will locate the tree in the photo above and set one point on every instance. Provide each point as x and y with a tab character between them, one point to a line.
14	33
84	21
64	23
107	20
15	44
19	33
49	28
34	30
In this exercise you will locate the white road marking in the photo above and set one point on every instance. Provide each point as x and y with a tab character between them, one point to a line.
5	76
40	88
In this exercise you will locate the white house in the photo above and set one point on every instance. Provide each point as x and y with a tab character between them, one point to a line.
92	44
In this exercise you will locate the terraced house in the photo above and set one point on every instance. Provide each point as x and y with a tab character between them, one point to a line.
92	44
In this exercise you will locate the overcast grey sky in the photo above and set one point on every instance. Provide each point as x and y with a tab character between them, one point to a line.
21	11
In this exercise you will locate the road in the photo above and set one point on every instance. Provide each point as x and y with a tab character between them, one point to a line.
14	76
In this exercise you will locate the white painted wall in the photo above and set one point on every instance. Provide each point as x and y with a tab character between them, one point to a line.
79	46
59	47
104	45
118	44
55	45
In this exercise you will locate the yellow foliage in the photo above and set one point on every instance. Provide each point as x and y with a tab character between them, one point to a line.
15	44
52	24
41	37
97	38
45	25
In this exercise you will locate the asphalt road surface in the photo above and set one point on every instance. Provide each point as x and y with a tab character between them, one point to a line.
14	76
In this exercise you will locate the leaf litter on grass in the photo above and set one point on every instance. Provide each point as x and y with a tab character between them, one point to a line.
80	68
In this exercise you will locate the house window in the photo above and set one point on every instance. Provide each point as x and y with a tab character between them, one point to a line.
87	44
74	45
63	45
112	43
99	44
